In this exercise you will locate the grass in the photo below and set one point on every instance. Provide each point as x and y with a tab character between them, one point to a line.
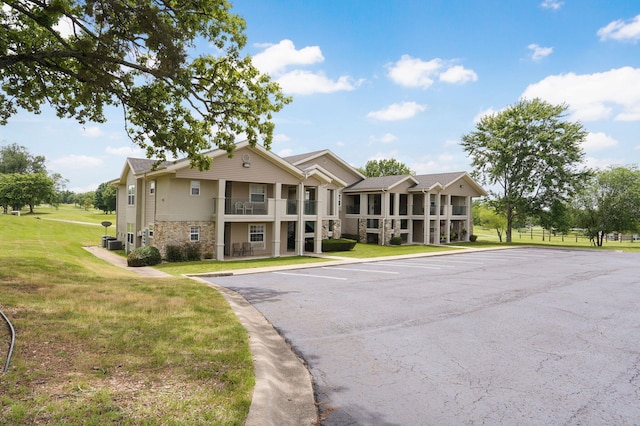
97	344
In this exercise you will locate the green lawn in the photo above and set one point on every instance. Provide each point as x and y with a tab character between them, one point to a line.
97	344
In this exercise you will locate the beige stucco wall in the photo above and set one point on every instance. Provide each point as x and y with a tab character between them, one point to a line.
326	162
174	201
261	170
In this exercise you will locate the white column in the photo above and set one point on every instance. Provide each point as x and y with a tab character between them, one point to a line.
220	219
280	208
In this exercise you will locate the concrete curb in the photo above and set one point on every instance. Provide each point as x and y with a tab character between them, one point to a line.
283	393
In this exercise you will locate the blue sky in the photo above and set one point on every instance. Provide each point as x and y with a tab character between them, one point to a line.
405	80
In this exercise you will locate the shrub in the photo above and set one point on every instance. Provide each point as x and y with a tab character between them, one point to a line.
174	254
353	237
396	241
338	244
144	256
191	251
473	238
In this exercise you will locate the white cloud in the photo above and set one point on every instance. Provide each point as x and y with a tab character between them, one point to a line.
621	30
539	52
386	138
281	137
276	60
414	72
396	112
276	57
302	82
458	74
64	27
595	96
75	162
124	151
597	141
488	111
91	131
552	4
285	152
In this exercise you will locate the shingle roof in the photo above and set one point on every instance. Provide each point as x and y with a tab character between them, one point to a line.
444	179
293	159
377	183
143	165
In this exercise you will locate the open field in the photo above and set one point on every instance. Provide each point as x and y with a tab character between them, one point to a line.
97	344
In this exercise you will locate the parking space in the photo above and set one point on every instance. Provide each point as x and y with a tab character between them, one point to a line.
519	336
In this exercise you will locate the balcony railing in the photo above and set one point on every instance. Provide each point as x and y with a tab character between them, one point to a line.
310	207
292	206
459	210
352	209
417	209
245	207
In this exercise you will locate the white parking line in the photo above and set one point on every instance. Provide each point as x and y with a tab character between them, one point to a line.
360	270
410	265
310	275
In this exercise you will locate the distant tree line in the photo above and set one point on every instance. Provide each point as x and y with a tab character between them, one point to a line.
24	181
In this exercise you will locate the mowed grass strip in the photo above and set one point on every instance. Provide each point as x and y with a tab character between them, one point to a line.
97	344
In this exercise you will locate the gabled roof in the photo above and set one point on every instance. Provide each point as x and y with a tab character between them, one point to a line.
443	180
323	174
298	159
381	183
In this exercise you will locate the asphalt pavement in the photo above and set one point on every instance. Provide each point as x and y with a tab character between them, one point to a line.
518	336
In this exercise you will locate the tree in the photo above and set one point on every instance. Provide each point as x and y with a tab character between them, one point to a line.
485	215
555	219
391	167
16	158
18	190
139	55
610	202
530	155
105	198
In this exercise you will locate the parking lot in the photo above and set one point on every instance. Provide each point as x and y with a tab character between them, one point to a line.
518	336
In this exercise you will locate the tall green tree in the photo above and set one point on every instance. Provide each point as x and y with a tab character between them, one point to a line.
18	190
610	203
139	55
105	197
16	158
485	215
385	167
528	156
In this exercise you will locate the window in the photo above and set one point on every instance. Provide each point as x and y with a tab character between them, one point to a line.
131	233
257	192
256	235
195	187
131	195
152	187
150	230
194	233
331	202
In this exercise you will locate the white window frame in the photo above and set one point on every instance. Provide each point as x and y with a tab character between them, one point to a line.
150	233
131	233
257	233
131	195
194	234
258	192
152	187
195	188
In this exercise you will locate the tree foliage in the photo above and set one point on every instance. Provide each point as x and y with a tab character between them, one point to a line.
18	190
81	56
528	156
105	198
485	215
16	158
610	203
384	167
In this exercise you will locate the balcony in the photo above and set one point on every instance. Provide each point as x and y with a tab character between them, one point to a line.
352	209
239	206
459	210
310	207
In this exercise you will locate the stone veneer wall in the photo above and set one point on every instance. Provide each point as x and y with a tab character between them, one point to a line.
362	230
337	229
177	233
